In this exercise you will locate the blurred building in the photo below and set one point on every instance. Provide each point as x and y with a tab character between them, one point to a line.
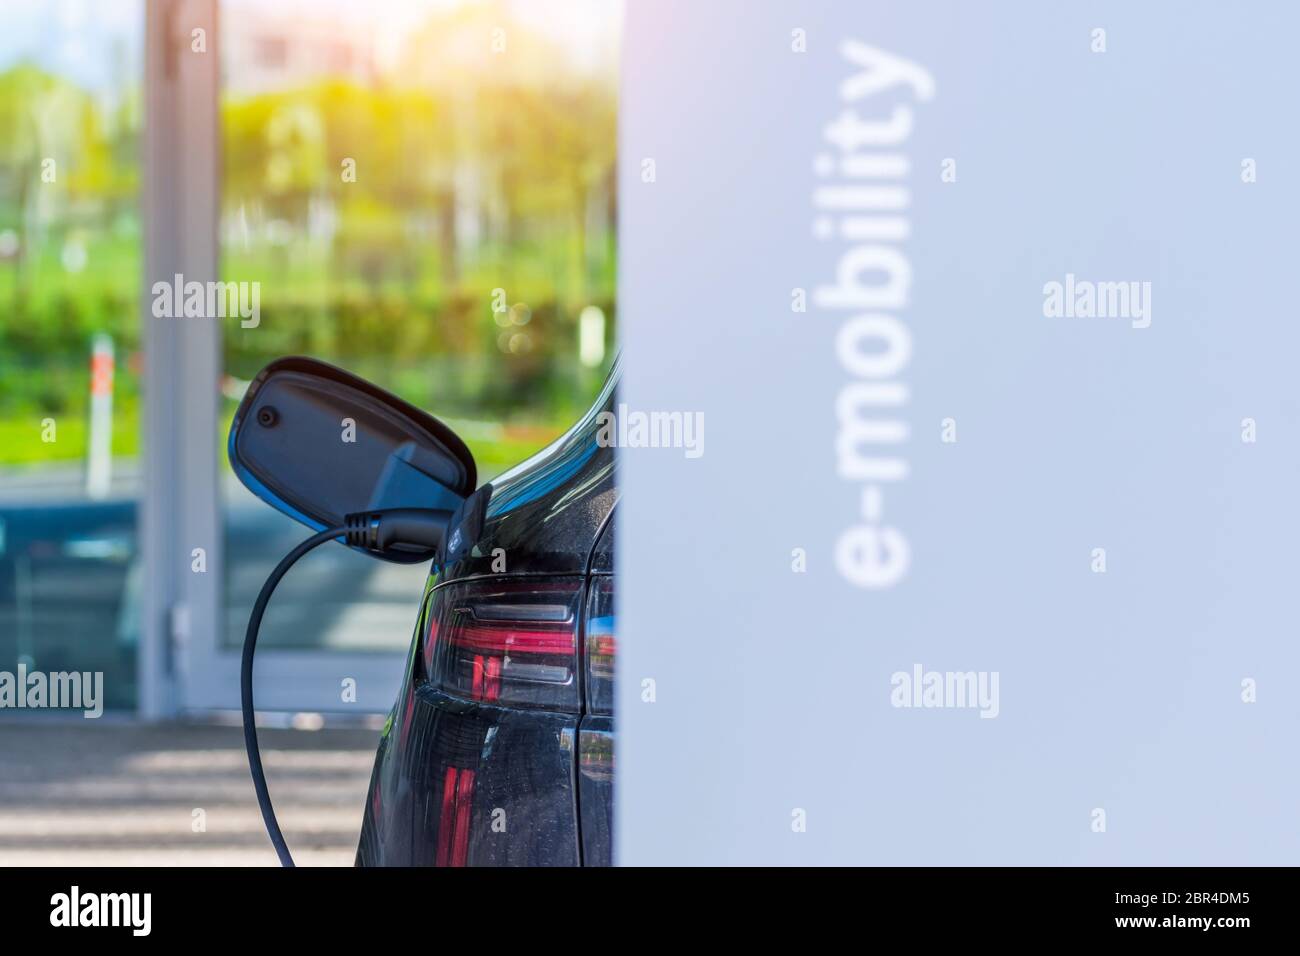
271	47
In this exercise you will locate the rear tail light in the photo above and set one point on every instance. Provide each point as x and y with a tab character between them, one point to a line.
506	642
454	821
600	645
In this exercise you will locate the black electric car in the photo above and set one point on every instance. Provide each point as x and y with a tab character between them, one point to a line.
499	749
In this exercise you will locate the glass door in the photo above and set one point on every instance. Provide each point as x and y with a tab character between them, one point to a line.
70	342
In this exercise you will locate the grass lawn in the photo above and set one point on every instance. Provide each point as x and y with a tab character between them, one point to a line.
20	444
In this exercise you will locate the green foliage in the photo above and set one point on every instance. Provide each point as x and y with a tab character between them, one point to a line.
379	220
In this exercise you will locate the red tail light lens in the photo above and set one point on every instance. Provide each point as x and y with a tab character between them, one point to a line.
506	642
454	821
600	645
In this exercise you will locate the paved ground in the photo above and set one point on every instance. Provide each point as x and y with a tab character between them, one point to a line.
99	793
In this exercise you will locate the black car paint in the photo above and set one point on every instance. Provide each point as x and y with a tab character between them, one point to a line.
596	728
544	794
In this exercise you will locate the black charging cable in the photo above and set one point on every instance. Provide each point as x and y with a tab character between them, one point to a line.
409	529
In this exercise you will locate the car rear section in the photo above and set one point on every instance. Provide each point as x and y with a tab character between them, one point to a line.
500	749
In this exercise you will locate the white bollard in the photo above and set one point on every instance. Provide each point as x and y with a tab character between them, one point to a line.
591	336
99	456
